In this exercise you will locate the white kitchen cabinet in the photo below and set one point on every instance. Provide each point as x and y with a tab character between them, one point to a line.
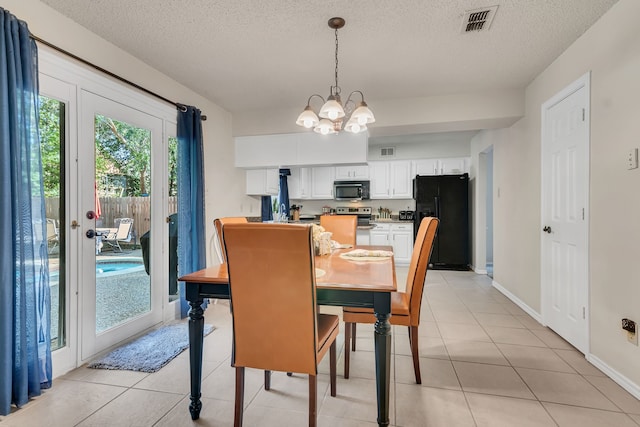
362	237
390	180
322	182
397	235
454	165
262	182
445	166
426	167
352	172
299	183
401	236
379	235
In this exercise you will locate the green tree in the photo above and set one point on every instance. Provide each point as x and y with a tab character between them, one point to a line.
123	149
51	115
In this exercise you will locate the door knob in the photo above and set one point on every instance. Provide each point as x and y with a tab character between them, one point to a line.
90	234
91	214
547	229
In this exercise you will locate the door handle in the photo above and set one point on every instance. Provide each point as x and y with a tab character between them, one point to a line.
90	234
547	229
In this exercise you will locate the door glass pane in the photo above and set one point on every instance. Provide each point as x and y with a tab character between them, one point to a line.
52	145
173	218
123	214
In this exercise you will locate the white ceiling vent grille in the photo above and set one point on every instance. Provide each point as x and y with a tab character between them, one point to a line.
478	19
388	152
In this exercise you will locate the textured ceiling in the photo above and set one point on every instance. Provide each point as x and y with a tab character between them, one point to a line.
249	54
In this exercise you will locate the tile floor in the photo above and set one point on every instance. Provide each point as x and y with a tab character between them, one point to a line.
484	362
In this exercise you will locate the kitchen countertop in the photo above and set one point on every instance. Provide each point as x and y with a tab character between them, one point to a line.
390	221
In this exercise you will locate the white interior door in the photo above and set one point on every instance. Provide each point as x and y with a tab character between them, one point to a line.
565	186
118	202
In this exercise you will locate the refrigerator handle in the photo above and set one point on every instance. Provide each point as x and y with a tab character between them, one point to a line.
437	203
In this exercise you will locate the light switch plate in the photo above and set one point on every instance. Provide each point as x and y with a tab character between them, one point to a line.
632	159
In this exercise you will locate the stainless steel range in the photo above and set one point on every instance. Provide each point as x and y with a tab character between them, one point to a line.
363	213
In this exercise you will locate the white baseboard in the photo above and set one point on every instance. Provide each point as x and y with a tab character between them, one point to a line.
517	301
479	270
616	376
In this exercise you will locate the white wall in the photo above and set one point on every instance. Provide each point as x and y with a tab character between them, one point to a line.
224	186
470	111
611	50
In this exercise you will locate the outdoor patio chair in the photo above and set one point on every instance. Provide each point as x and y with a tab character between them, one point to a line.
123	233
52	234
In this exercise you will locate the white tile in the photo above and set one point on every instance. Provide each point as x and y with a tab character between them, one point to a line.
137	407
426	406
568	389
475	351
534	357
491	379
499	411
66	404
572	416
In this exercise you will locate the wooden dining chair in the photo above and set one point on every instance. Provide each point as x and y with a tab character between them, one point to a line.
272	289
405	306
342	227
219	223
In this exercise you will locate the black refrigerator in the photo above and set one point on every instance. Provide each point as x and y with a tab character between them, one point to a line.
445	197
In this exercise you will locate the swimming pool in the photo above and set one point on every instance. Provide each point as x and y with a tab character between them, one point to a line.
112	267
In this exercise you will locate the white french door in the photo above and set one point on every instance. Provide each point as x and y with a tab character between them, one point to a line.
120	175
565	225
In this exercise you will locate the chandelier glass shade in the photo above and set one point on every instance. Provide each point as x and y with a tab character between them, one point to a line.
334	116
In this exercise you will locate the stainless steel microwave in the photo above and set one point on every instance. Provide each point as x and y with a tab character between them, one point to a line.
351	190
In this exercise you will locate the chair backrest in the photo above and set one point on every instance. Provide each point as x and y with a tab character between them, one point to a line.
52	229
342	227
219	223
273	296
419	264
124	226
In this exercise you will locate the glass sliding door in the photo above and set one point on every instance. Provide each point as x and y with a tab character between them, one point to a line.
57	133
52	148
118	199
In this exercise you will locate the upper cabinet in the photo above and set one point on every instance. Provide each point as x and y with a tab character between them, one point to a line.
322	182
390	180
446	166
262	182
352	173
300	149
299	183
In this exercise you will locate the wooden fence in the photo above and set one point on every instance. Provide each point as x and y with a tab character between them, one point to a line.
138	208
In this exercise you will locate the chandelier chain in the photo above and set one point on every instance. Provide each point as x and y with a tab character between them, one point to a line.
337	88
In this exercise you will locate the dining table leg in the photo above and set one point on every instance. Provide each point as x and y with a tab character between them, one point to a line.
382	336
196	332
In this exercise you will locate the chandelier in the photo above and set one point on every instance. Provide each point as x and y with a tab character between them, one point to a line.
333	114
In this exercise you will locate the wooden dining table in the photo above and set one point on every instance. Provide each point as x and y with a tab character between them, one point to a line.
339	282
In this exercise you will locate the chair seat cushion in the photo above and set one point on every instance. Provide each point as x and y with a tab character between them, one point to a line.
399	311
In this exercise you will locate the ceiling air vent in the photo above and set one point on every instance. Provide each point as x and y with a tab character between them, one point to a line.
388	152
478	19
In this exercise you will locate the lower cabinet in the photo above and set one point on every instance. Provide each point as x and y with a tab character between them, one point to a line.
363	237
398	235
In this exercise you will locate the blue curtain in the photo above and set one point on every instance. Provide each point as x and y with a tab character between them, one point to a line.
283	193
266	208
25	348
191	231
